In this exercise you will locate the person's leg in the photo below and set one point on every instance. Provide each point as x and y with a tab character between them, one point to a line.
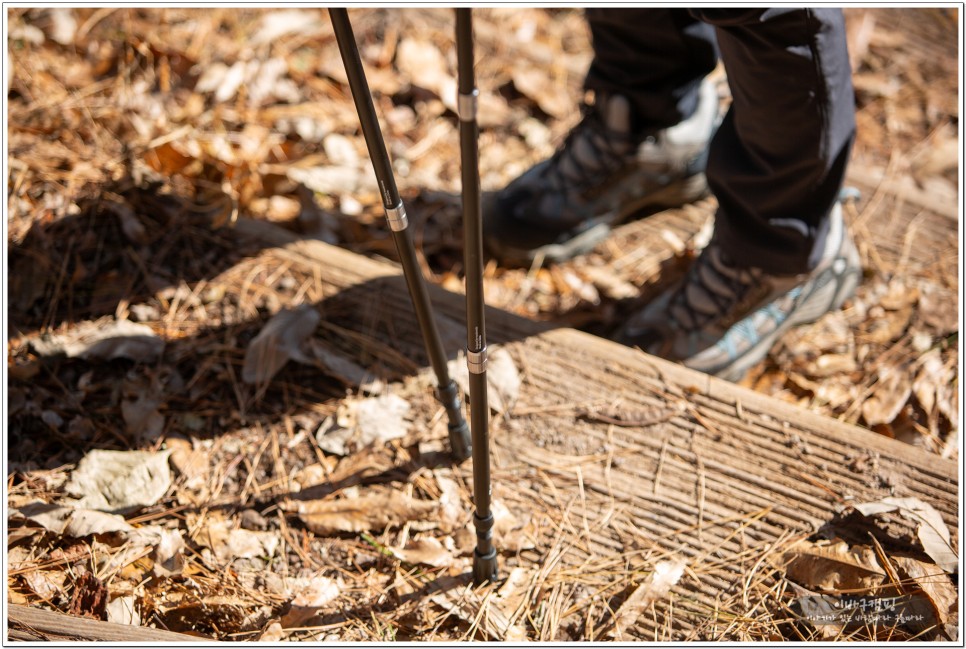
777	161
780	254
654	57
640	147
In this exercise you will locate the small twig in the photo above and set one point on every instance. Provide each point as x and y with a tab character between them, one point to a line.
633	418
812	481
701	419
144	518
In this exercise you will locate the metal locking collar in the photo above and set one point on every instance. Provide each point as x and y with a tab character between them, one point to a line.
396	216
476	361
466	105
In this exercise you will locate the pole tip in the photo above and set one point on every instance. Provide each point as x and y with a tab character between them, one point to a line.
484	567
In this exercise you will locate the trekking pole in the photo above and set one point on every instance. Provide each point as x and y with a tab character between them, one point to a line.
484	557
447	393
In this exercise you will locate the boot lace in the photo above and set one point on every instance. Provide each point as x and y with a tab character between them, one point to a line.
590	154
715	289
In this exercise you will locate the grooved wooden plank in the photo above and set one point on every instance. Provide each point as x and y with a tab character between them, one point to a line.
747	461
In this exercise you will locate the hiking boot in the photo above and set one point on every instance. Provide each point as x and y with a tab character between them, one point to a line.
603	174
724	317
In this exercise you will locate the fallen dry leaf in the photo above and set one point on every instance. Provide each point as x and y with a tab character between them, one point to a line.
168	554
934	584
609	283
932	530
423	64
362	422
310	595
142	419
333	179
899	296
888	325
277	343
463	601
889	397
261	80
20	557
427	551
931	374
938	309
52	518
666	574
124	610
273	633
365	513
831	365
120	481
46	584
229	543
190	463
510	597
84	522
936	390
278	24
246	544
63	26
834	567
103	339
452	511
380	419
340	150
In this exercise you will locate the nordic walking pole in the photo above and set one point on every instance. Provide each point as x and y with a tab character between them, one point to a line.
484	557
447	393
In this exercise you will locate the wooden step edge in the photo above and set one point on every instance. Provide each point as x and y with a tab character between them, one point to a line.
726	392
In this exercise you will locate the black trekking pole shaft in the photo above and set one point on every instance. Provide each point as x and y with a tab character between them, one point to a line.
484	557
447	393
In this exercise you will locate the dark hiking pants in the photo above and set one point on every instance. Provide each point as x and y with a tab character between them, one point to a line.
777	162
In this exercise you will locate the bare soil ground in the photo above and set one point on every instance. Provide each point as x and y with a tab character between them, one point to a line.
139	138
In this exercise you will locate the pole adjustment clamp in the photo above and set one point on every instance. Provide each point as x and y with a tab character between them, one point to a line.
396	216
476	361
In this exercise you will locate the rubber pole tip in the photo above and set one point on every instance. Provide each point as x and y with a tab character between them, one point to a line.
484	567
460	442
